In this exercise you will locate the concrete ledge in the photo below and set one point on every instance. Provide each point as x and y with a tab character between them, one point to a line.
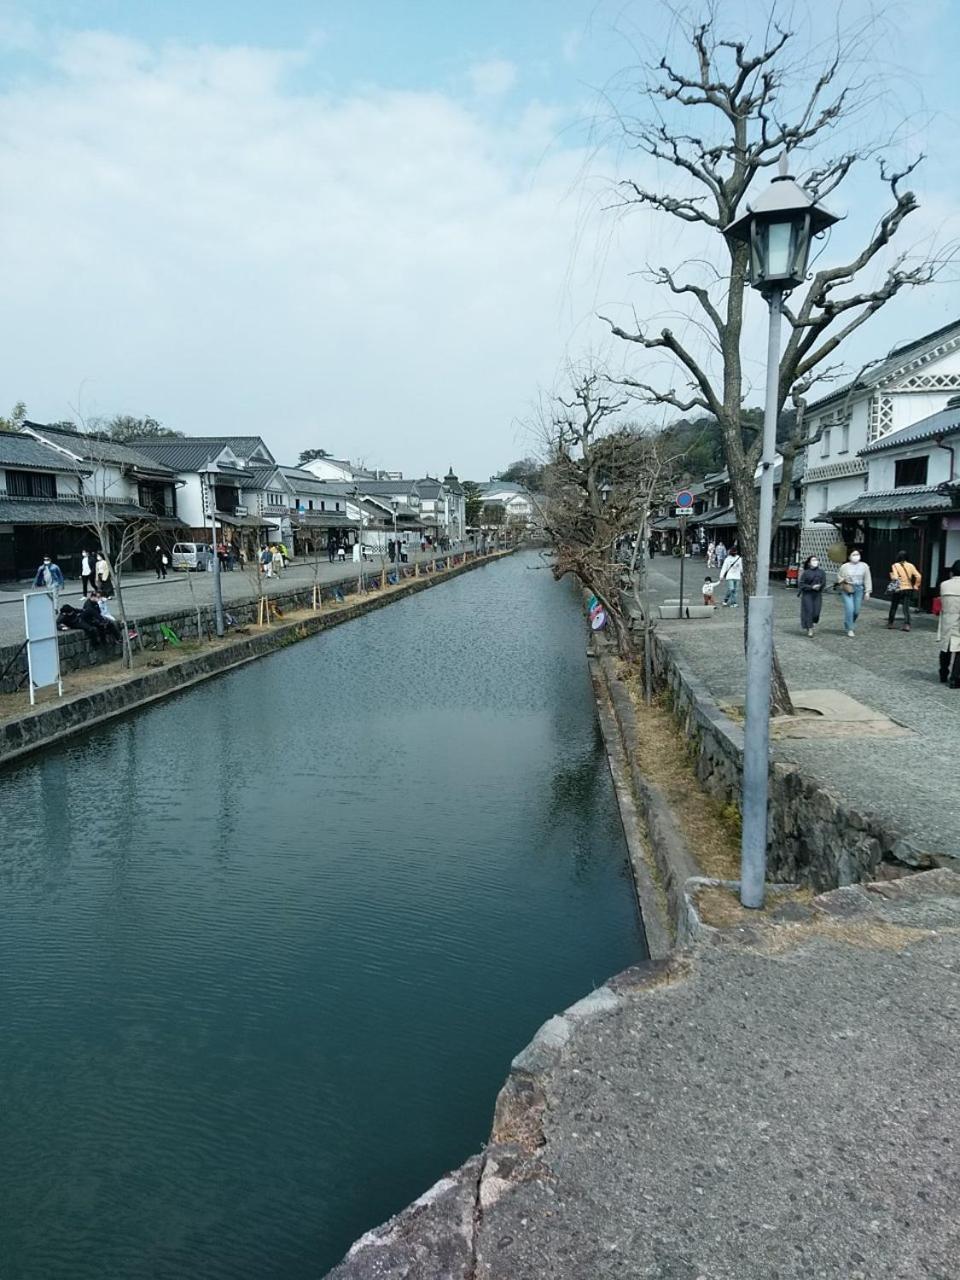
56	721
672	612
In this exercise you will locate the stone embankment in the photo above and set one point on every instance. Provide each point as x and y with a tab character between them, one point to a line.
120	692
816	837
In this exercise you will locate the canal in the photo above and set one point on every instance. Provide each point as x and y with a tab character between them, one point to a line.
267	949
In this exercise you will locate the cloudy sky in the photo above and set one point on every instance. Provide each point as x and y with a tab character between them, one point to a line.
378	227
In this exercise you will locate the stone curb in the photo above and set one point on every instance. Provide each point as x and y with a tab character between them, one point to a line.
57	721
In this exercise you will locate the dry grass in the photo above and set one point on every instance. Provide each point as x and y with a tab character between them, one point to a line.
720	907
711	831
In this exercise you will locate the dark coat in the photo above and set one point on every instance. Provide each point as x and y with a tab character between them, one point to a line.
810	579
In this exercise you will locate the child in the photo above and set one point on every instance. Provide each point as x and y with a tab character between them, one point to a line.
708	590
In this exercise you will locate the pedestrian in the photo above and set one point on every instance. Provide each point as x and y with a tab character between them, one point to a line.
278	561
103	575
719	554
711	548
708	590
160	562
90	620
266	562
86	572
731	571
282	547
110	627
331	549
341	552
50	577
810	585
905	578
948	630
856	585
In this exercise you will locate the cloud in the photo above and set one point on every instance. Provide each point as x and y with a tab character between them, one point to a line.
492	79
381	273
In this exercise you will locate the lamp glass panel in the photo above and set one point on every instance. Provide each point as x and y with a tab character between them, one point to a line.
779	246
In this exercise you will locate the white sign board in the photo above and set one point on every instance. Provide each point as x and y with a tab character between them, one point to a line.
43	648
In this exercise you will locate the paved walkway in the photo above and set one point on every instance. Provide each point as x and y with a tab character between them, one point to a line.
909	779
145	596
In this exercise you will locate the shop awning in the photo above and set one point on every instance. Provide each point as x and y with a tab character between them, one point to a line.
242	522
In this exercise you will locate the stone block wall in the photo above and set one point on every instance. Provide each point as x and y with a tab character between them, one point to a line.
815	837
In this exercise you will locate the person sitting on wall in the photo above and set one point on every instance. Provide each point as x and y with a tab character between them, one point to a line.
110	627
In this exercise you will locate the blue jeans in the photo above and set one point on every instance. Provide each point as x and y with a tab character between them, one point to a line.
852	603
732	586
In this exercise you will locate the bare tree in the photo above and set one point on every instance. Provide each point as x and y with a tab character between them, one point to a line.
600	482
716	119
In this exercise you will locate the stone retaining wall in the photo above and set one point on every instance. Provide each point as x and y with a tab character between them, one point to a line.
815	837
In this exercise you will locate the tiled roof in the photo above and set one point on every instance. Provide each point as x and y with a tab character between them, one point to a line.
894	501
50	511
96	449
946	422
17	450
894	360
192	453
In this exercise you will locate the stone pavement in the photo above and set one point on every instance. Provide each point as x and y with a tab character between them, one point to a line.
778	1102
908	779
145	596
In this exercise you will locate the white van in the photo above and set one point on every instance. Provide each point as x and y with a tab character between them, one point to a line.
191	556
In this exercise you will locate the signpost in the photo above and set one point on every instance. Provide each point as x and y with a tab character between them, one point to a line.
43	647
683	509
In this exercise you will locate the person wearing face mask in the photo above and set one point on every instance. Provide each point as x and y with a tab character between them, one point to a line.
856	585
811	584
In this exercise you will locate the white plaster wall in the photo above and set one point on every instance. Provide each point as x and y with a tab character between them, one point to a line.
882	467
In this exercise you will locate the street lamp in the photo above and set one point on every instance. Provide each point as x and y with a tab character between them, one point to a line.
778	230
217	585
396	540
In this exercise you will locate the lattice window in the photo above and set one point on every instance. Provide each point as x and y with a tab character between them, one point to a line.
815	540
930	382
881	416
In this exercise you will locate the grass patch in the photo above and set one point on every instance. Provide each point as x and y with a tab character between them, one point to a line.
666	757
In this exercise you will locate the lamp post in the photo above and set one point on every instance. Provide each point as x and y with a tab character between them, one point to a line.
396	540
217	584
356	494
778	230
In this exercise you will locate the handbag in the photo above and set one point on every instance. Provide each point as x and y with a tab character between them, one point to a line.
894	587
846	586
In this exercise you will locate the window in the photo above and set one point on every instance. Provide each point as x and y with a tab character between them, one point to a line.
910	471
824	498
844	446
309	504
338	506
825	443
323	506
31	484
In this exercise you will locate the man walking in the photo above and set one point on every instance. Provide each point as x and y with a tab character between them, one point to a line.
86	573
160	563
50	578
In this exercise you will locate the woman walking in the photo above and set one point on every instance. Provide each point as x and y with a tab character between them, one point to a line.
949	630
103	576
856	585
905	578
811	584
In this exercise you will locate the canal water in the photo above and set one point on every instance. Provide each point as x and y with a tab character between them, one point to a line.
267	949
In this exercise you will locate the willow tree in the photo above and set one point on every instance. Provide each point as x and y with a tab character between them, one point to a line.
715	120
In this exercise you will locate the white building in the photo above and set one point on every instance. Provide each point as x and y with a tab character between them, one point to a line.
911	500
516	502
330	468
914	381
